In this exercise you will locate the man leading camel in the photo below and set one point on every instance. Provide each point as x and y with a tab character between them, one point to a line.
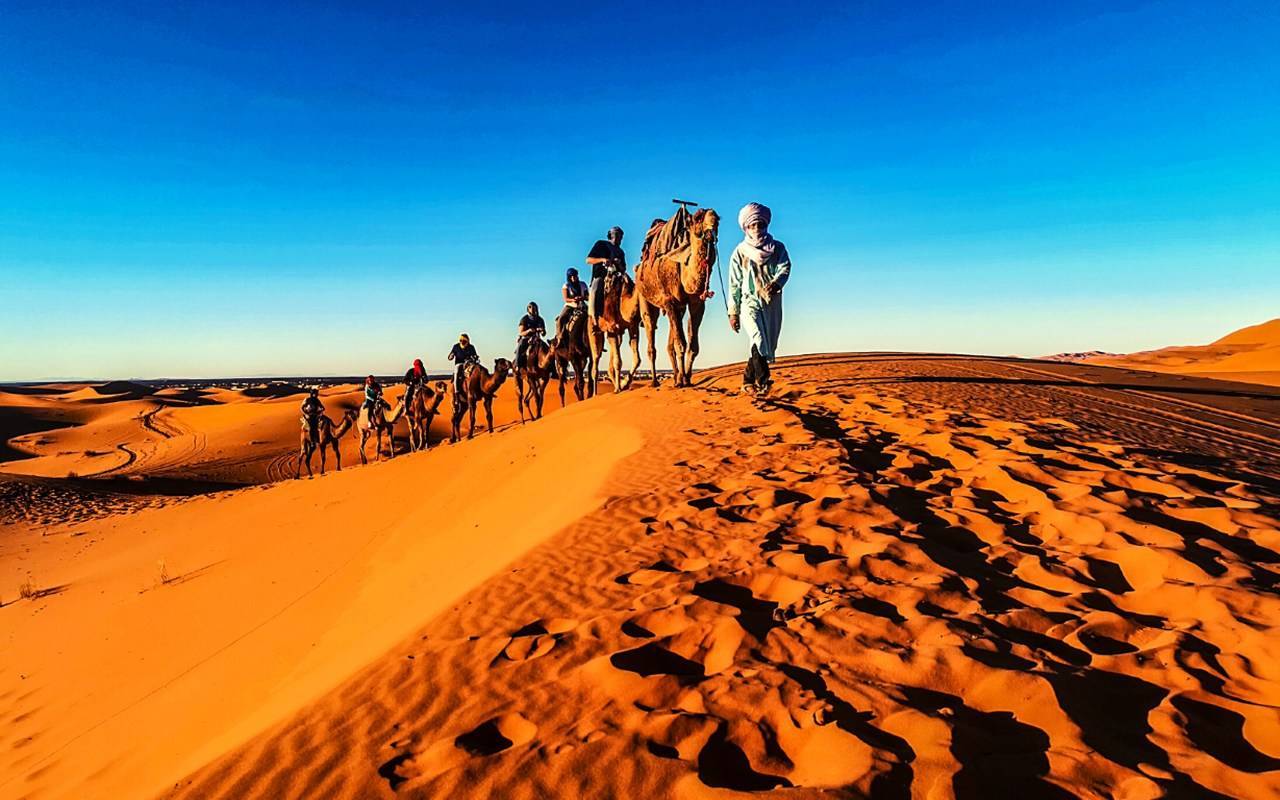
605	254
758	269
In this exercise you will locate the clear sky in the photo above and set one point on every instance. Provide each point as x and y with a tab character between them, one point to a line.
211	189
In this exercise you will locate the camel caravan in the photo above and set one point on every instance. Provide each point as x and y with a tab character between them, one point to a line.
673	278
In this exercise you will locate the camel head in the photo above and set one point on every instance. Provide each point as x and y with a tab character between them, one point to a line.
442	387
501	366
704	231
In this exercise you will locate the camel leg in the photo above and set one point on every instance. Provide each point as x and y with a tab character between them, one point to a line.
488	411
363	438
520	394
541	394
615	361
337	455
471	410
634	339
696	310
596	340
649	316
322	459
675	342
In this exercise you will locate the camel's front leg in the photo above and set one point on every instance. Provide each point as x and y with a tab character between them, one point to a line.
696	309
488	411
634	339
649	316
563	376
520	394
337	455
322	459
676	342
471	409
596	340
364	437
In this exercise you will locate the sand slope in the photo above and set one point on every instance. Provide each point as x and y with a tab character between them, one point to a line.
906	576
167	636
1250	354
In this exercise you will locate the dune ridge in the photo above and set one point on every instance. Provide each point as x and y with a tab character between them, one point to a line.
1251	354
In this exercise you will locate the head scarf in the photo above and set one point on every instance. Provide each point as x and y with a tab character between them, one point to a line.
760	248
613	230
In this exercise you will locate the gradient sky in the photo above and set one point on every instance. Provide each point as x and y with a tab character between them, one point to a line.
223	190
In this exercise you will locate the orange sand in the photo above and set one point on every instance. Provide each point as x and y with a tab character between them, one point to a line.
1249	355
917	576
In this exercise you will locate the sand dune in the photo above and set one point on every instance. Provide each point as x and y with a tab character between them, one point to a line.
907	576
145	447
1250	355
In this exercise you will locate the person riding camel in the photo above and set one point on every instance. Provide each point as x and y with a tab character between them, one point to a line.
531	329
574	292
312	408
606	254
463	354
372	398
414	379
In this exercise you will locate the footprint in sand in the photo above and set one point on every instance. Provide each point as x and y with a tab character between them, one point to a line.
537	638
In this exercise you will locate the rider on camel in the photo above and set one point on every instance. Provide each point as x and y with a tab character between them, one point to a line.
531	329
462	354
574	292
312	408
606	254
414	379
372	398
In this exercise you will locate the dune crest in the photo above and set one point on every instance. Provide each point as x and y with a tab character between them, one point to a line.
1251	355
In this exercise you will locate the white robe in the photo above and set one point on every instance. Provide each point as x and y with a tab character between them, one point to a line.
760	318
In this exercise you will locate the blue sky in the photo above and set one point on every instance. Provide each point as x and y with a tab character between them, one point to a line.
224	190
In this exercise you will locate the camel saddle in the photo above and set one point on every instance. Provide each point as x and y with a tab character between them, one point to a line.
667	235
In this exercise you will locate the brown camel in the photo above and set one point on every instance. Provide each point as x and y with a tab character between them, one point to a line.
423	409
479	386
573	349
620	315
532	378
327	435
674	281
385	423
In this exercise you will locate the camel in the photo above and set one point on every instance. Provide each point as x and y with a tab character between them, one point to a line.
572	348
620	315
384	424
539	366
326	436
674	281
423	409
479	386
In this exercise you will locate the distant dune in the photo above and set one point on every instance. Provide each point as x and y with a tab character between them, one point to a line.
897	576
1250	355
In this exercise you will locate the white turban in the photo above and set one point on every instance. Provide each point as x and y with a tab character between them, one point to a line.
752	212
